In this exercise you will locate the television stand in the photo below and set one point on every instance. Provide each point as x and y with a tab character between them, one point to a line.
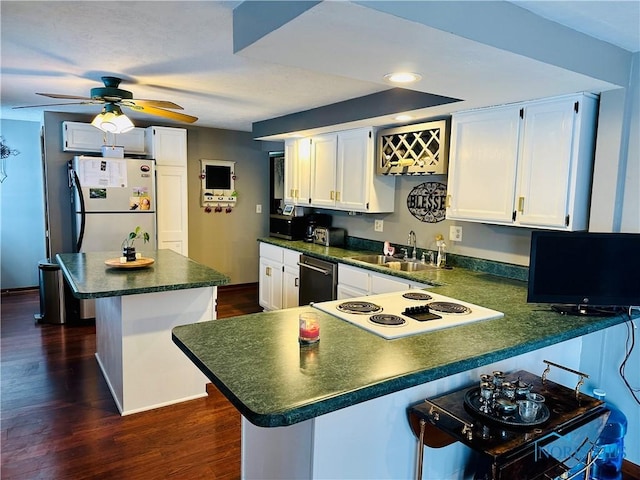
587	311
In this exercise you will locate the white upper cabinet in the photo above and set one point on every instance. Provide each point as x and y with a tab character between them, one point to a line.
297	172
167	145
84	137
324	149
527	164
482	165
343	173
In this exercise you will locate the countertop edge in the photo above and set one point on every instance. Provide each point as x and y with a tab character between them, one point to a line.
359	395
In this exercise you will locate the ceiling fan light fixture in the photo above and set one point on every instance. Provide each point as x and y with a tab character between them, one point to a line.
112	120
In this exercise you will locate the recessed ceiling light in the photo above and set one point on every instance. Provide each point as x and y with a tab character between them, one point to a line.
402	77
403	118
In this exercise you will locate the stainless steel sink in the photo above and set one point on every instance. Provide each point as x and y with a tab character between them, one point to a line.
393	263
374	259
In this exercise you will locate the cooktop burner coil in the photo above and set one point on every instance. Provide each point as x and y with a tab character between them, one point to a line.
387	320
449	307
359	307
417	296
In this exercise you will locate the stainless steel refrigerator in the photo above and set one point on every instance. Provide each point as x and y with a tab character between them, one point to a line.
110	198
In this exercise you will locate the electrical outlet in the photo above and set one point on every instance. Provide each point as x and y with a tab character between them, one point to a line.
455	233
258	208
378	226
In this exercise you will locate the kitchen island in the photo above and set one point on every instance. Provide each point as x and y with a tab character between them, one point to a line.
337	409
135	312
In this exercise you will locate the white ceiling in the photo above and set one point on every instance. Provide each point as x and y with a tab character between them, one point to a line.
337	50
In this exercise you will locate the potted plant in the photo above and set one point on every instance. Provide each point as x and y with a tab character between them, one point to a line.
128	250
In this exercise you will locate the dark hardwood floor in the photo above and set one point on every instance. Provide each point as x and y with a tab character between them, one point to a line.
59	420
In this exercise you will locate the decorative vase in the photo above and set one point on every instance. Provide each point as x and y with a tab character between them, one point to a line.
129	253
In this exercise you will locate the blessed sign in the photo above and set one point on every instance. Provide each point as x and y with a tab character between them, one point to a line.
426	202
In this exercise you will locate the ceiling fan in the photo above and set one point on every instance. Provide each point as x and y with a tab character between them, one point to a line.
113	98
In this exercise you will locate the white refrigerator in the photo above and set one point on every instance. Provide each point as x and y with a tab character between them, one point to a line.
110	198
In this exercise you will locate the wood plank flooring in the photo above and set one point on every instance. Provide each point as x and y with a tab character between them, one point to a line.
59	420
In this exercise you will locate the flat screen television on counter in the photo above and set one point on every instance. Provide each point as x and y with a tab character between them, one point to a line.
582	273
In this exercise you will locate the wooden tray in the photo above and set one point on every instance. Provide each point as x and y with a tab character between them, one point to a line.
138	263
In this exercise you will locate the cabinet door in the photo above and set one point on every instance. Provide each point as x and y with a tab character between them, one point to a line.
291	279
344	291
545	164
270	287
290	171
290	287
168	146
482	167
84	137
172	210
297	172
354	169
323	170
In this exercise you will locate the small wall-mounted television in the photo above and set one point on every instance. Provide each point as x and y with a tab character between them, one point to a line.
582	273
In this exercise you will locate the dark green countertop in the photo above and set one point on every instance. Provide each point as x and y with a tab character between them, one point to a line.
257	363
89	277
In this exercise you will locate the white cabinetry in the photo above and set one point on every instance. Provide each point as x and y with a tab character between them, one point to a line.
84	137
358	282
343	173
290	279
297	172
527	164
168	146
279	277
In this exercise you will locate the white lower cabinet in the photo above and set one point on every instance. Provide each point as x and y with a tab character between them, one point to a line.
358	282
279	277
290	279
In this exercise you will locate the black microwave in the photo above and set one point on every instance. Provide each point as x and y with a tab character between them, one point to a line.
287	227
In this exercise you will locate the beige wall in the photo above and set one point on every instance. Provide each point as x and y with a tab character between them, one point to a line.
227	242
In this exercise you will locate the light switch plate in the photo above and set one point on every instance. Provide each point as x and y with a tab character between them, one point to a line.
258	208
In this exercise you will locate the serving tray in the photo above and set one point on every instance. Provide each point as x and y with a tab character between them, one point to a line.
473	402
137	263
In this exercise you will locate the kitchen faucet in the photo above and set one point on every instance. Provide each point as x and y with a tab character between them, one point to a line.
412	243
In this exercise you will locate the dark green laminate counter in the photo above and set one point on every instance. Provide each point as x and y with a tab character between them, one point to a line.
89	277
257	363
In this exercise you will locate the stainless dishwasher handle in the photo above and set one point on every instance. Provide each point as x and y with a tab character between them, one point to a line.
324	272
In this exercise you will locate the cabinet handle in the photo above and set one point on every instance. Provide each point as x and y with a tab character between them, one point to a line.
331	195
292	194
521	204
267	271
296	282
448	202
337	196
296	195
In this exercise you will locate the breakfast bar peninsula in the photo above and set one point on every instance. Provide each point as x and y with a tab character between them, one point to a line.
337	409
136	308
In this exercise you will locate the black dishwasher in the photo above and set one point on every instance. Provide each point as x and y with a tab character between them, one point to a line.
318	280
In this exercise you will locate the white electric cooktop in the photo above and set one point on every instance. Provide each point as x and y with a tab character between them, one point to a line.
409	312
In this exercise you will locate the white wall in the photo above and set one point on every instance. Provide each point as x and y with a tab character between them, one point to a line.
22	213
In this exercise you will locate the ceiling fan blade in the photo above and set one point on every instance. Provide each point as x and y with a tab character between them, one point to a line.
59	104
67	97
163	113
152	103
